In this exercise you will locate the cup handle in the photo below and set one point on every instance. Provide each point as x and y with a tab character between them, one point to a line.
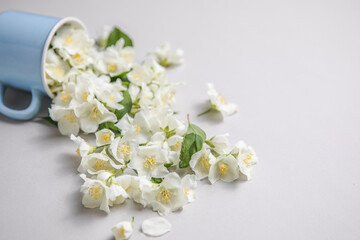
24	114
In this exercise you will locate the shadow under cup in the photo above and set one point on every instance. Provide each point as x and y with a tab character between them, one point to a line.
24	41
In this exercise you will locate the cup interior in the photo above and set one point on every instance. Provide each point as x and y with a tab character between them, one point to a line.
68	20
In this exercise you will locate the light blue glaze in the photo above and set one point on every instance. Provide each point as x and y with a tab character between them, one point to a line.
22	40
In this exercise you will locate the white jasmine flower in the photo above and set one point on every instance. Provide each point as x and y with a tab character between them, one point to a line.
133	185
200	163
55	67
72	40
189	185
83	90
91	114
149	161
122	148
247	159
166	57
155	227
220	143
123	230
65	97
168	196
219	103
84	147
68	123
95	194
140	75
109	93
104	137
96	163
111	63
140	123
225	168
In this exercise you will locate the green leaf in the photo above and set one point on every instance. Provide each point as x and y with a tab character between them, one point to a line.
49	120
127	103
123	77
197	130
167	165
156	180
116	35
111	126
191	144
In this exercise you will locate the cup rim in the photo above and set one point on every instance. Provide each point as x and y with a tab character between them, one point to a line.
50	36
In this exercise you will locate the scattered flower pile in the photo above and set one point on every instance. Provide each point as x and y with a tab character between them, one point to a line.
143	151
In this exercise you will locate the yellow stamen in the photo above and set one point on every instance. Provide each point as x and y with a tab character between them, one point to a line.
205	162
137	129
177	144
126	56
106	137
247	159
95	113
164	196
65	96
125	150
71	118
223	168
122	232
186	192
68	40
95	191
222	100
111	67
136	76
84	96
112	98
78	153
100	165
146	97
128	188
150	162
78	58
59	71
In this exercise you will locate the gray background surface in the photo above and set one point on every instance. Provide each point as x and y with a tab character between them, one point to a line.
293	69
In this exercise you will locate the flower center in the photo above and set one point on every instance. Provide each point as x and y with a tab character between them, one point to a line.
150	162
122	232
222	100
84	96
95	191
95	113
177	144
137	129
59	71
100	165
186	192
223	168
247	159
71	118
136	76
111	67
68	40
78	58
126	56
125	150
106	137
65	96
78	153
112	98
164	196
205	162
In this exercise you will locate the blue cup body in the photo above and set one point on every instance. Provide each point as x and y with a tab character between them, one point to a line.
24	40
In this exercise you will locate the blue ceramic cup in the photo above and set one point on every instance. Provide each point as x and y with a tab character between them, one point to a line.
24	41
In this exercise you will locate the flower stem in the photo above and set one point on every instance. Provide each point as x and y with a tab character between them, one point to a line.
204	112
